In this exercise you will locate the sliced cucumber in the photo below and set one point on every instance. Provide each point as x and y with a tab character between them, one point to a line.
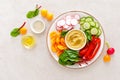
90	26
82	28
89	19
86	25
82	19
99	32
94	31
92	23
96	24
82	22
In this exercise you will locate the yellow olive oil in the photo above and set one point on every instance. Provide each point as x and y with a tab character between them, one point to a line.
28	41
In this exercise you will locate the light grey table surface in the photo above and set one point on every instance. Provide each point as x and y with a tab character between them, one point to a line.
18	63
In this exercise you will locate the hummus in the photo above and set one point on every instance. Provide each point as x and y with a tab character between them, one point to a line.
75	39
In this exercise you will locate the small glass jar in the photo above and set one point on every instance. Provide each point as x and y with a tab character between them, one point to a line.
28	41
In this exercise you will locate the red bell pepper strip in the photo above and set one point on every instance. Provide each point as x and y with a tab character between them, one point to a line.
84	50
98	43
90	50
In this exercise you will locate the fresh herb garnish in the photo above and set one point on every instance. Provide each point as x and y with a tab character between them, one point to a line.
33	13
16	31
63	33
88	35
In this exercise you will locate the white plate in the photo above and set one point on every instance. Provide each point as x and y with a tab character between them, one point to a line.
52	28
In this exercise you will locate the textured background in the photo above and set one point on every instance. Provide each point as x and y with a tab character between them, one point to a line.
17	63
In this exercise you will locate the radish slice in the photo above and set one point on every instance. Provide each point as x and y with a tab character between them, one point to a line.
74	22
59	28
68	17
70	27
68	21
58	23
65	27
61	23
77	17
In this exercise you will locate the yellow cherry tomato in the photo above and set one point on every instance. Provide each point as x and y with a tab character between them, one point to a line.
49	16
23	31
107	58
44	12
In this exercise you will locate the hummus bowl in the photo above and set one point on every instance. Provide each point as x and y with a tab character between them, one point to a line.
75	39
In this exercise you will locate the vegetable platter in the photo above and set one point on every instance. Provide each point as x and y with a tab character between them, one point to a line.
75	39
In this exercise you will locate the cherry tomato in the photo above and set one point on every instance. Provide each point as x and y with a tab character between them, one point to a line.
23	31
44	12
107	58
49	16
